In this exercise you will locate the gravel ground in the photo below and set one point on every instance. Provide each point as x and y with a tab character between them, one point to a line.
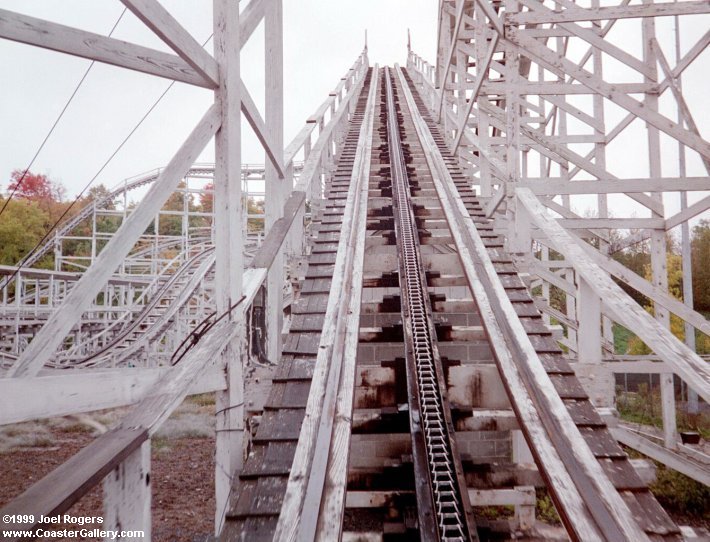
182	466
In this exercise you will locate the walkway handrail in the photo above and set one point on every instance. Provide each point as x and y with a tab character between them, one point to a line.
343	92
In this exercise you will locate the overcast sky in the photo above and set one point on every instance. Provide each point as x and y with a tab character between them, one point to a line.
322	39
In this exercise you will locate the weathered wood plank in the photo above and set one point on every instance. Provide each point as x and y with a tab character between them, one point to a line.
65	39
608	13
333	364
686	363
55	493
164	25
85	391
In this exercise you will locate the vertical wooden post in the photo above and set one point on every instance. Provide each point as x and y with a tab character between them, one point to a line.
18	311
600	158
524	513
127	494
659	270
461	71
228	211
481	116
520	235
276	189
571	311
687	265
512	137
595	377
589	338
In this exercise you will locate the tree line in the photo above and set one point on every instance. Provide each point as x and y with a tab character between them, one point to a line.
37	204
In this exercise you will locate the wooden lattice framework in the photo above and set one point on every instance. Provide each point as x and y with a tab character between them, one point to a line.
218	362
522	91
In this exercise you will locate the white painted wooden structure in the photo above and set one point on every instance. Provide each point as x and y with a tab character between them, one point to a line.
529	122
523	92
65	301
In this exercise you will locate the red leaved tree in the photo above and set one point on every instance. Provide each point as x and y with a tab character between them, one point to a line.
47	194
35	186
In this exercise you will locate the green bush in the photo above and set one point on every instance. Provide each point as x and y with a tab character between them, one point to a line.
545	509
678	493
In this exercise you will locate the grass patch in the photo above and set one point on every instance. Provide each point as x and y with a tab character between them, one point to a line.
42	442
77	428
160	444
203	399
495	512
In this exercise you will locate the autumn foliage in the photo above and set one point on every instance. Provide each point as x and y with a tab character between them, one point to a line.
35	187
37	204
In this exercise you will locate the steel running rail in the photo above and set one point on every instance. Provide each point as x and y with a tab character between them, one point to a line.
444	496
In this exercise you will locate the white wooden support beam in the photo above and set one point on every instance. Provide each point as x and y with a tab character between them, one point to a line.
277	187
552	60
562	154
169	392
519	237
495	19
442	39
684	62
668	411
164	25
63	393
546	187
608	13
689	57
562	103
65	39
642	366
229	267
689	212
525	498
92	281
251	112
591	36
643	286
280	231
659	250
127	494
612	223
589	337
678	95
502	497
481	75
691	468
446	68
249	18
685	363
496	200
